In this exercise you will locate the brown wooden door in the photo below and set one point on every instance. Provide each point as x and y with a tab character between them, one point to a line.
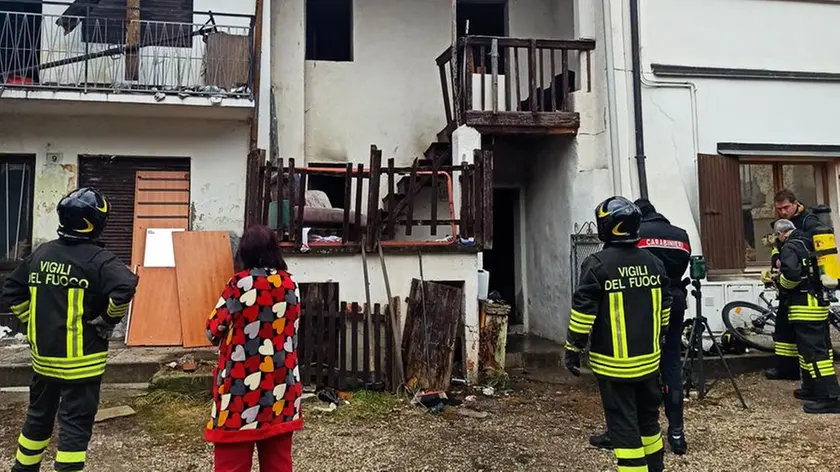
721	220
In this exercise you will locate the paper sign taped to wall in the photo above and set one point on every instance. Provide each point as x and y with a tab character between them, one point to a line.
159	249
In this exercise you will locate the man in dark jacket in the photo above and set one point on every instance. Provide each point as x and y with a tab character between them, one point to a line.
70	293
801	300
788	208
671	245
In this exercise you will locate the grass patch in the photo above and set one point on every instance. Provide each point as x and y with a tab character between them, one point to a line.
365	406
170	414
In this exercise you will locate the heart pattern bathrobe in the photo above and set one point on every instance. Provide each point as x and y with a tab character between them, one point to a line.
257	382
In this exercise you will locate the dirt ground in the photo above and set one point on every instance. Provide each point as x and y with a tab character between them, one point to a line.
542	424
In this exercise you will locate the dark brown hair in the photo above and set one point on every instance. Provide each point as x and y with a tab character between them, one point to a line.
259	248
784	195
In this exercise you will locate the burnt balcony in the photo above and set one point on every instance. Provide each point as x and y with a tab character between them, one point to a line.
513	85
92	52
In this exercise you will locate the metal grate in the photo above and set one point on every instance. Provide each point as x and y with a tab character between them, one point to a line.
585	242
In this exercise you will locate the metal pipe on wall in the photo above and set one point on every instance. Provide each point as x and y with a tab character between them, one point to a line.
635	47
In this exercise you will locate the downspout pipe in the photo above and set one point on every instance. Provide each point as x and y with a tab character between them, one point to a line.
637	98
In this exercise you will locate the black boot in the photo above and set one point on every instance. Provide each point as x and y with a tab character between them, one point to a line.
601	441
824	406
677	443
779	374
656	461
805	394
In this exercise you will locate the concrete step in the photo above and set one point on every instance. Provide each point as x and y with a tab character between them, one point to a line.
126	365
532	352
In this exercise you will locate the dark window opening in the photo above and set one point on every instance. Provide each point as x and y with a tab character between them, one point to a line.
501	260
331	185
485	19
329	30
163	22
16	194
20	41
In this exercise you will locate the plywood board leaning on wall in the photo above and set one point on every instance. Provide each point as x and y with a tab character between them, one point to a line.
155	318
161	200
203	265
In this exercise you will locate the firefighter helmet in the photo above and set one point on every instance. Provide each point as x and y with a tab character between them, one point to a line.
82	214
618	220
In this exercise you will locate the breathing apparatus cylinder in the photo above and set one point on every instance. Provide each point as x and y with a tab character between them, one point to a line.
825	249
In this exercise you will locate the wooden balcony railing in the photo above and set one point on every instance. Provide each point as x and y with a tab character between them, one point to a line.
500	81
278	197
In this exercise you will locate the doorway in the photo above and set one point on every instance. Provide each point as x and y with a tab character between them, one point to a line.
504	260
486	18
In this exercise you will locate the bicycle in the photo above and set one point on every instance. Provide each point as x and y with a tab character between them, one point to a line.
754	325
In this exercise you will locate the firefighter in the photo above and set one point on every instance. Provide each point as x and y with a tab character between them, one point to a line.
624	302
789	208
801	299
671	245
69	293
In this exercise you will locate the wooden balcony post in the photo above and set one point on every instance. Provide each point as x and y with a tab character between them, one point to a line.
373	197
532	74
494	65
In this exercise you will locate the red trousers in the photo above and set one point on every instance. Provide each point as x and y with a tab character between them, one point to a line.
275	455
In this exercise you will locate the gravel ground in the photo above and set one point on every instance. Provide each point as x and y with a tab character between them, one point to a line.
541	425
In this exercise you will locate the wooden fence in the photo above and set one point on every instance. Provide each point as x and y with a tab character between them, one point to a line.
346	349
277	194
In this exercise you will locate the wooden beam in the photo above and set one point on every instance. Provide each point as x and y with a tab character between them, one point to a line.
256	59
569	120
132	38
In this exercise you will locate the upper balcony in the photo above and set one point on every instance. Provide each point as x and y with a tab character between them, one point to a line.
514	86
82	51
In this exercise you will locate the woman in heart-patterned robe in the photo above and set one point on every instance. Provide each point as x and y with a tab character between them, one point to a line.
257	391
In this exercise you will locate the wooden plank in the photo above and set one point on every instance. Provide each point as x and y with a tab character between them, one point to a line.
318	311
278	188
435	198
482	53
391	372
377	343
292	216
366	333
477	197
342	346
301	204
360	182
163	196
162	210
518	81
132	40
354	344
155	312
348	191
487	202
564	61
430	337
332	377
373	197
392	200
541	94
304	346
532	75
203	264
266	197
553	91
310	340
255	161
444	85
412	190
569	120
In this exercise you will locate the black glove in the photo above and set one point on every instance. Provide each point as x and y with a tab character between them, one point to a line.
103	328
571	359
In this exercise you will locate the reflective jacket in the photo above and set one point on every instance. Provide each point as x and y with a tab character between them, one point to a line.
59	289
670	244
624	302
798	289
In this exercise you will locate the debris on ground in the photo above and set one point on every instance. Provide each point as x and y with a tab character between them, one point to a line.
106	414
470	413
488	391
327	409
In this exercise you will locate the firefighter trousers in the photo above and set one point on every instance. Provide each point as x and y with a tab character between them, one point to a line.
76	405
785	342
816	358
632	412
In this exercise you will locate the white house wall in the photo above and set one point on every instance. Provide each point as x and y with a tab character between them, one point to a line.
217	150
390	95
800	36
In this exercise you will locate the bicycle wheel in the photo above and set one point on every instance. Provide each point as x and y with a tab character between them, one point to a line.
751	324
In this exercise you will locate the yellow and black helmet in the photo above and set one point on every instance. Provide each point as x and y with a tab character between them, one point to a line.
618	220
82	214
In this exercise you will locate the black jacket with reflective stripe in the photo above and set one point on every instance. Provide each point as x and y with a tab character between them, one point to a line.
59	289
623	300
670	244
